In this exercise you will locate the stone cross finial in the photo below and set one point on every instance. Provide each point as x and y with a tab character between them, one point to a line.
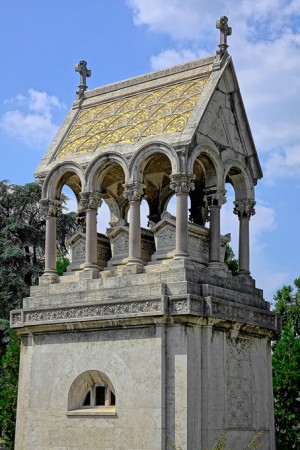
84	73
225	30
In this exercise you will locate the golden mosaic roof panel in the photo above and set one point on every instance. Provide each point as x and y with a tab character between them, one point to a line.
163	110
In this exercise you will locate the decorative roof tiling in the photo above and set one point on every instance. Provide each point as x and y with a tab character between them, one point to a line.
131	119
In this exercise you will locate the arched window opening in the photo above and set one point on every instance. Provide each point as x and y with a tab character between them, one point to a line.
92	393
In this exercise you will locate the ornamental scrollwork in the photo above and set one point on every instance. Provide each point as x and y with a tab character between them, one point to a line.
182	183
244	208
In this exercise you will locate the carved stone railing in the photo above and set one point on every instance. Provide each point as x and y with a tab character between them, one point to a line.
77	248
119	238
198	240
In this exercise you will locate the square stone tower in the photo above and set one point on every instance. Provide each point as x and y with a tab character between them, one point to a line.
148	341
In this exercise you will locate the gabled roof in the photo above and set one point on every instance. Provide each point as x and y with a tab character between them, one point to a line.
167	105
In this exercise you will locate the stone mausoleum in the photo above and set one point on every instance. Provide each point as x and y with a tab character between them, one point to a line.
148	341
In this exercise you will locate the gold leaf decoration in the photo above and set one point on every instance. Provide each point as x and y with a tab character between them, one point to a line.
162	110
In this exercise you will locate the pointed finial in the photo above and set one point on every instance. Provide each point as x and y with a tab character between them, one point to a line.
84	73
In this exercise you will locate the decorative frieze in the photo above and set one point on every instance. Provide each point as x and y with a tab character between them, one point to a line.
103	311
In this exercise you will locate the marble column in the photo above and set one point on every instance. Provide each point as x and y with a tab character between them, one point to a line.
133	192
51	208
214	199
181	184
244	209
90	202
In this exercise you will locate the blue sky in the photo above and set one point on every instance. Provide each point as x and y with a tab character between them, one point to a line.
41	41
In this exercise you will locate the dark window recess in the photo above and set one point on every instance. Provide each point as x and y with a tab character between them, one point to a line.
100	395
112	398
87	400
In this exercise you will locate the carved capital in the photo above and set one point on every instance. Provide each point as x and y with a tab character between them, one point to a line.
90	200
214	197
182	183
50	208
244	208
133	191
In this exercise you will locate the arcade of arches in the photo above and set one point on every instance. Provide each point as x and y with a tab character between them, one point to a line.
154	173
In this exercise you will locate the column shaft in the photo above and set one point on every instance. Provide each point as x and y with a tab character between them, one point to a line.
244	250
214	234
134	250
91	239
181	250
50	246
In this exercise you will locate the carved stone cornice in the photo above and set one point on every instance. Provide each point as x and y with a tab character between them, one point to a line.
214	197
50	208
244	208
90	200
182	183
133	192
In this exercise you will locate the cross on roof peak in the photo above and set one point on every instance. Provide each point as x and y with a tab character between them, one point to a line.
84	73
225	30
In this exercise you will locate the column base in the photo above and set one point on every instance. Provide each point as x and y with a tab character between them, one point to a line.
180	255
89	273
48	278
133	266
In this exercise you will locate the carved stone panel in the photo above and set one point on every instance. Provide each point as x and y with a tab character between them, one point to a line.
77	248
238	383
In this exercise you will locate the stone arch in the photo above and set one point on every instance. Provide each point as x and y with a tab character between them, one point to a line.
239	177
102	162
206	166
66	173
107	174
142	155
153	166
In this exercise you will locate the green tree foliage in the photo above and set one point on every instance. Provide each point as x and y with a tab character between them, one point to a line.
286	368
230	260
9	370
22	235
22	241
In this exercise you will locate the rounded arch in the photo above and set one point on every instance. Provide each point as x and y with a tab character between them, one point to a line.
68	173
83	383
101	163
208	157
140	158
239	177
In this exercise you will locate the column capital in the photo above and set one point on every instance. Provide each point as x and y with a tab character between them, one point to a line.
182	183
244	208
214	197
133	191
90	200
50	207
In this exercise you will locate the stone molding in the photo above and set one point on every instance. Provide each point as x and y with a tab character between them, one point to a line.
191	305
182	183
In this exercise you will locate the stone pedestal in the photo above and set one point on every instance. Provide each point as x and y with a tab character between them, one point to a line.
198	240
77	245
119	240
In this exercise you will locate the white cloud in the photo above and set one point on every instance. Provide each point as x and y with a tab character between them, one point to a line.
32	119
171	57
